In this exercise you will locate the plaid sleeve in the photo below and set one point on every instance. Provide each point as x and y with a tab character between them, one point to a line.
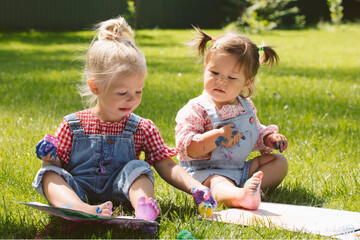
154	146
63	133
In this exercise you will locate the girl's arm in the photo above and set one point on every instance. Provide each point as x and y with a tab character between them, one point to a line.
175	175
226	136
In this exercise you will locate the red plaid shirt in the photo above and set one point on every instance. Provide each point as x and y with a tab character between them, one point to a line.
147	137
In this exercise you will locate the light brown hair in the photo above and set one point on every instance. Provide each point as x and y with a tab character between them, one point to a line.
240	46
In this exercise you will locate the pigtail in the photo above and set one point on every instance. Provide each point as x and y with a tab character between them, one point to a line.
269	56
115	30
200	41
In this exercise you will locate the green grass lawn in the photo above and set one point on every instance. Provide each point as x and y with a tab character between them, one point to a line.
313	96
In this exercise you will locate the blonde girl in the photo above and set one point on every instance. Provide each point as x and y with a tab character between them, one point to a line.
217	131
96	163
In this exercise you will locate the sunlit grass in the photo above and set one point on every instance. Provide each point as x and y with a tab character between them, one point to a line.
313	96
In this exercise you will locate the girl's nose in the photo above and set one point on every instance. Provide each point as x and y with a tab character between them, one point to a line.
130	98
220	79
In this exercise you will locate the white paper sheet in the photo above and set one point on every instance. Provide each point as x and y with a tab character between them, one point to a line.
322	221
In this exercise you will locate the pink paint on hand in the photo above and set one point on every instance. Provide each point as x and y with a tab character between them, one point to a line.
47	145
147	210
51	139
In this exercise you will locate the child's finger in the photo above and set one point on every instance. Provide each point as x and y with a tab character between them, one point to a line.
52	154
41	150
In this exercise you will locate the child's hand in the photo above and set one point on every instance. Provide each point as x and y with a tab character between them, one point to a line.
277	141
46	148
204	200
230	136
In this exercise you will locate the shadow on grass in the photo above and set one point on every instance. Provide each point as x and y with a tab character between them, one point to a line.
294	195
61	228
46	38
177	210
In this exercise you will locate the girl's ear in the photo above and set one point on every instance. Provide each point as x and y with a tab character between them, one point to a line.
249	82
93	86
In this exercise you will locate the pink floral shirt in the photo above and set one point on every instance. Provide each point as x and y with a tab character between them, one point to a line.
192	121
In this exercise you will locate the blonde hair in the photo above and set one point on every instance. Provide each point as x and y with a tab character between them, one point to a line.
112	53
245	50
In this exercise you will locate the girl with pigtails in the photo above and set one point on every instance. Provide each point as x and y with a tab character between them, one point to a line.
92	162
217	131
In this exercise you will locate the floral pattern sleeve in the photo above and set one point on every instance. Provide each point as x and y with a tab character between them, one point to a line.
263	131
191	122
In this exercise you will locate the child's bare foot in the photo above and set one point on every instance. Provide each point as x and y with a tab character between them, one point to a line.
104	209
252	198
147	210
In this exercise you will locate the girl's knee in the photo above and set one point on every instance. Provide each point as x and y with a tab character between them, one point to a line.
282	163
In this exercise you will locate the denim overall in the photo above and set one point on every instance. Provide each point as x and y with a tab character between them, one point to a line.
101	167
227	161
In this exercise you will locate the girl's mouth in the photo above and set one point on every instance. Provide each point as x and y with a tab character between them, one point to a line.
125	109
219	90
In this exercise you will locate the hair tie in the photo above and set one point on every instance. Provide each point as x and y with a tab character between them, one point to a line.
213	39
260	48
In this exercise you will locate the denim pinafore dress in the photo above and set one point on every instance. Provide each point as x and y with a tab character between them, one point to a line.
101	167
227	161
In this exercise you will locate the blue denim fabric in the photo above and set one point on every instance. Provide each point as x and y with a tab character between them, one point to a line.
227	161
101	167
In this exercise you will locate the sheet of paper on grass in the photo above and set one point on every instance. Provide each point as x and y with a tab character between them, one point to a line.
322	221
74	215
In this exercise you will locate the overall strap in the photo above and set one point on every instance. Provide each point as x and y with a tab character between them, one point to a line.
74	124
210	109
132	124
245	103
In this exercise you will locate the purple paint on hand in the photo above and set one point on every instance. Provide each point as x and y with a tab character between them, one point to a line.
202	194
278	145
147	210
47	145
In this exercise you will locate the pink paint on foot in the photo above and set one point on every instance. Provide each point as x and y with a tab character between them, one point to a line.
147	210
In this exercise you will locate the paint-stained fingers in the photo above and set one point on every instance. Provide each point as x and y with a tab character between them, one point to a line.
278	142
240	135
50	157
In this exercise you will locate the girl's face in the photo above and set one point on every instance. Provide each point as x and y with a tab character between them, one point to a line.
224	79
124	96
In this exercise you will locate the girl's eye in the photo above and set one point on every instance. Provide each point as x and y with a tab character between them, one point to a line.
215	73
138	92
231	78
122	93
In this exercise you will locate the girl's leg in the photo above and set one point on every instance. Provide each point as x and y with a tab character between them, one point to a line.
60	194
226	192
141	194
141	187
274	167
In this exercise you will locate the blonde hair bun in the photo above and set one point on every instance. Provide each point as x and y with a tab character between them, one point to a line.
115	29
